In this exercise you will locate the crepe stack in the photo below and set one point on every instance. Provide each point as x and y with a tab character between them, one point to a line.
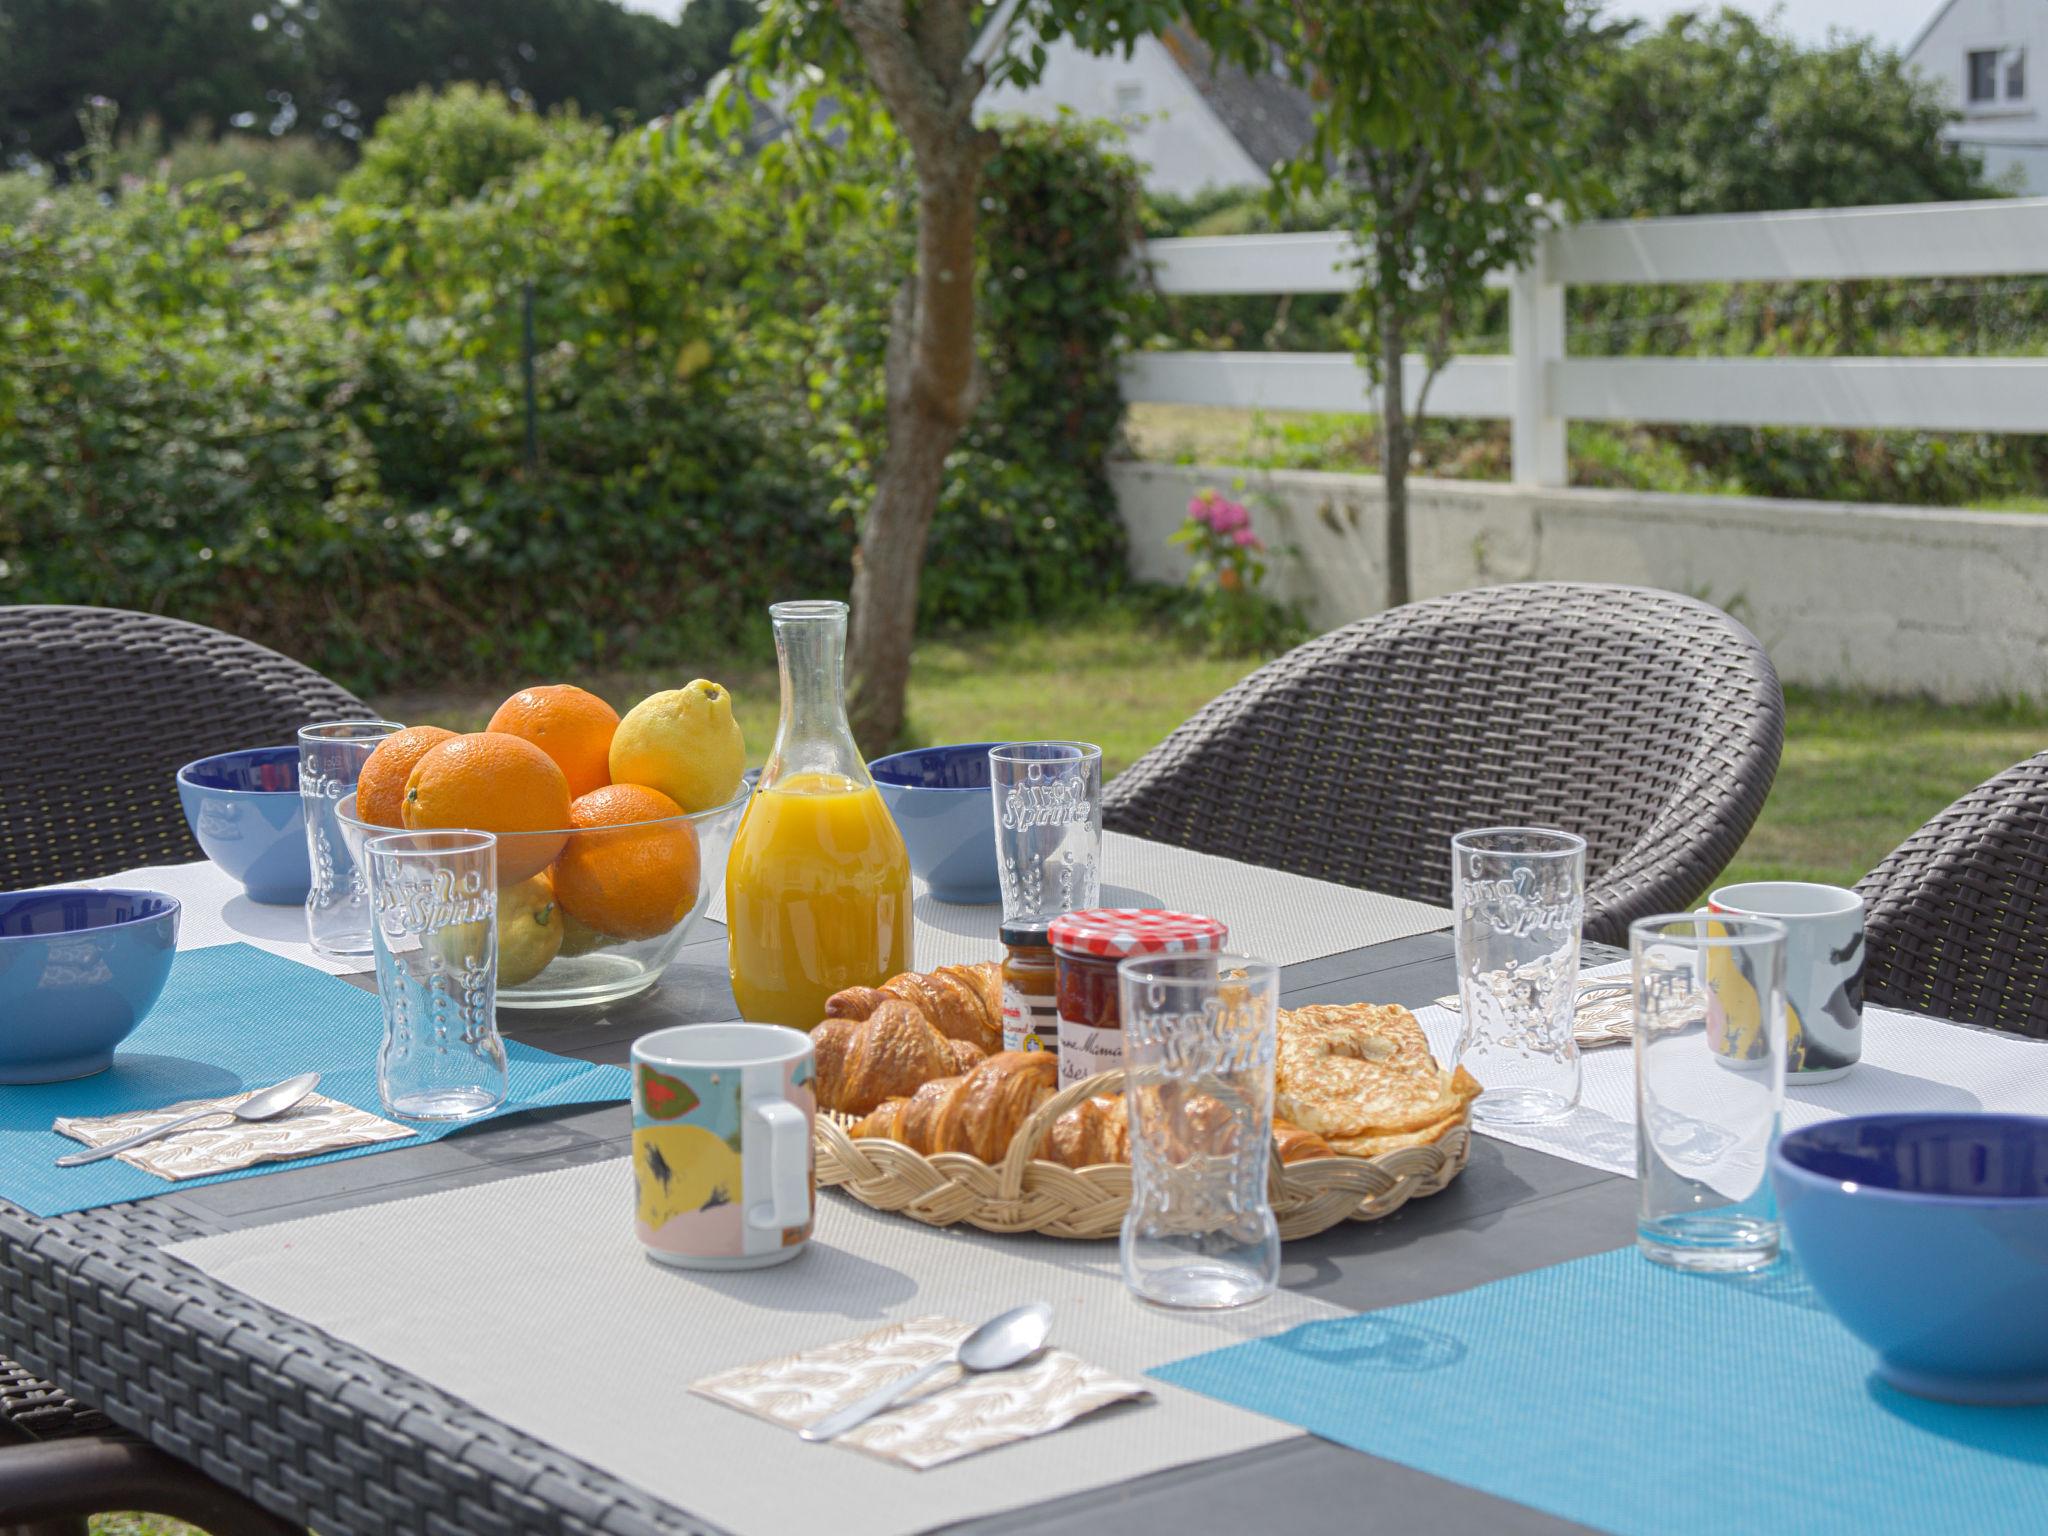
1360	1075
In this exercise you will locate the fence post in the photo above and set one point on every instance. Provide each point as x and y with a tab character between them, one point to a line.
1536	338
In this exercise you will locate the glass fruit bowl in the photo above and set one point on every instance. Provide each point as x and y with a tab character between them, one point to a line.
593	914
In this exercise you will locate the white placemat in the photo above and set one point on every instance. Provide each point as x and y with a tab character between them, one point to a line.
1909	1063
1277	916
217	911
531	1299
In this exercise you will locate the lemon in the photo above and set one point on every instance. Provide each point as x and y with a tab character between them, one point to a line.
683	742
529	930
579	938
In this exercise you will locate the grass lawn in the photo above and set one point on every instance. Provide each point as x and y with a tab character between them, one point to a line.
1857	776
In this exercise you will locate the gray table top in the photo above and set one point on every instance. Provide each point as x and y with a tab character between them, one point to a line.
1511	1210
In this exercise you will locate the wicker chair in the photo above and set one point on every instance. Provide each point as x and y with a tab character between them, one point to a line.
103	708
1956	917
1647	722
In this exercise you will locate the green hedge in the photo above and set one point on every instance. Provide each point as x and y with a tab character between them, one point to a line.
308	423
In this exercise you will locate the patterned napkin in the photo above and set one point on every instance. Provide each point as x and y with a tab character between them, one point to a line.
1605	1014
315	1124
948	1418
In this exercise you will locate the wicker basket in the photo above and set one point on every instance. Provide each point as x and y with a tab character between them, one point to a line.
1027	1194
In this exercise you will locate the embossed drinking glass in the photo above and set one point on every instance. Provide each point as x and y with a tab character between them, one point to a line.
1519	899
1048	815
435	900
331	758
1710	1087
1198	1092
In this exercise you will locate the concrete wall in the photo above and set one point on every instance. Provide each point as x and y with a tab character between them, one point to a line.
1896	600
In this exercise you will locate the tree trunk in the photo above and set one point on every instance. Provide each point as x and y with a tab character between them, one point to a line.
930	390
1396	440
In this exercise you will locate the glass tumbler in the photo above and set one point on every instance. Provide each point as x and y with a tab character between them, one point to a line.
1198	1090
1519	899
1048	815
331	758
435	896
1710	1086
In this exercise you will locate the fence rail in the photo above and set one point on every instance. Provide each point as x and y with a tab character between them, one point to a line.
1538	389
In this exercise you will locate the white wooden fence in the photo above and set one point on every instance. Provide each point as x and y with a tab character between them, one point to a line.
1537	388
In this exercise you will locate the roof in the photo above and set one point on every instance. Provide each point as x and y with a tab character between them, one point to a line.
1271	119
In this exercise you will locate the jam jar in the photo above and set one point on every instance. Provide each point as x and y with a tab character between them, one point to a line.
1086	948
1031	1016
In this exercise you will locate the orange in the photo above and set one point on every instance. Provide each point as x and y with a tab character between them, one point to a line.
380	791
490	782
570	725
635	882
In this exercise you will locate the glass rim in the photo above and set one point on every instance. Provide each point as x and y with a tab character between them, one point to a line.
1254	969
808	608
1015	752
367	729
1756	930
376	829
462	840
1568	842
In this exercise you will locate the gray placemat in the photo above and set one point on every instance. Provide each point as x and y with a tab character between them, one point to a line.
531	1299
1272	914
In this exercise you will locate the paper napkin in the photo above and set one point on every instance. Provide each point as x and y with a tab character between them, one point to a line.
221	1145
948	1418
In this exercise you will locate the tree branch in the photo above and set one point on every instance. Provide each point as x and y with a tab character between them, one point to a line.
920	102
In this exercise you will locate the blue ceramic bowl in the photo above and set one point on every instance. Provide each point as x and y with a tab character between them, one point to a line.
244	809
1928	1236
79	969
941	801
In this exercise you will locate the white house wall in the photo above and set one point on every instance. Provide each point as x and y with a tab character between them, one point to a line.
1182	143
2011	135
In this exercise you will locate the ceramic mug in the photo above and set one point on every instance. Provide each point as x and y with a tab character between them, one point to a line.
722	1171
1823	970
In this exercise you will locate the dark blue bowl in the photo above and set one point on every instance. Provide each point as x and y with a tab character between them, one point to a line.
79	969
244	809
941	801
1928	1236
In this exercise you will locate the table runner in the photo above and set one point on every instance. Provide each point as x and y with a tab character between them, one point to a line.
1619	1394
1910	1062
531	1299
217	911
1272	914
233	1018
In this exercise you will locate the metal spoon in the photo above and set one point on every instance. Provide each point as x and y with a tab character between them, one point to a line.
996	1345
264	1104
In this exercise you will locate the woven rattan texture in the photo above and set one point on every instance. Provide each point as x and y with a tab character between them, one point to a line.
1956	917
32	1407
319	1432
104	707
1647	722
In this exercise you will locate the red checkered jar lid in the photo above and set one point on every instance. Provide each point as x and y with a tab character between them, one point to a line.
1113	932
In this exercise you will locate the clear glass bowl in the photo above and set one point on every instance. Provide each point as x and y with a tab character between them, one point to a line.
591	966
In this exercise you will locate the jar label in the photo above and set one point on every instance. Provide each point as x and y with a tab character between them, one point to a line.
1029	1023
1086	1049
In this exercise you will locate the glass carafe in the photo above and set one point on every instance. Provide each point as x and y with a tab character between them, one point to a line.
817	891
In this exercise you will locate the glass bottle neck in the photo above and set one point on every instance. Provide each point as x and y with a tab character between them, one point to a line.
813	736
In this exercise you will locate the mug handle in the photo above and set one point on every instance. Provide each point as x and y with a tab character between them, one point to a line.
789	1130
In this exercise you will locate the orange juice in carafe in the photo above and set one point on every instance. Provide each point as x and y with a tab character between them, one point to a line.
817	889
818	897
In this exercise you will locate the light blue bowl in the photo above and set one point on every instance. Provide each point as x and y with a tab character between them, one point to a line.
79	969
941	801
1928	1236
244	809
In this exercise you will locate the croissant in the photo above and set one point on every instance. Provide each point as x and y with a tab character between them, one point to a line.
1097	1130
964	1002
893	1051
977	1114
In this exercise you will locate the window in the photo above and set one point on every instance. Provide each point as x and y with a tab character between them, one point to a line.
1983	75
1130	98
2015	74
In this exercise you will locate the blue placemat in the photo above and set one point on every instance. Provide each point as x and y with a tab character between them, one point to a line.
1616	1393
231	1018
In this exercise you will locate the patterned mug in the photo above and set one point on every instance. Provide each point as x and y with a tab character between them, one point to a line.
722	1169
1823	973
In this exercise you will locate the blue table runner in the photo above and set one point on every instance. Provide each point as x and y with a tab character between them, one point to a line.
1624	1396
232	1018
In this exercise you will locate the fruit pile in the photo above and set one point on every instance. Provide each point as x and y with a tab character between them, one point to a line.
586	807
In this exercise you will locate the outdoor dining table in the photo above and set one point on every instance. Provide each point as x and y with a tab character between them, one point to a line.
326	1434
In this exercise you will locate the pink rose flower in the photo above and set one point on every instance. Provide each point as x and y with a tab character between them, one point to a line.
1246	539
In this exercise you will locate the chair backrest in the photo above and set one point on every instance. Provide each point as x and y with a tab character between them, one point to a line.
1647	722
103	707
1956	917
